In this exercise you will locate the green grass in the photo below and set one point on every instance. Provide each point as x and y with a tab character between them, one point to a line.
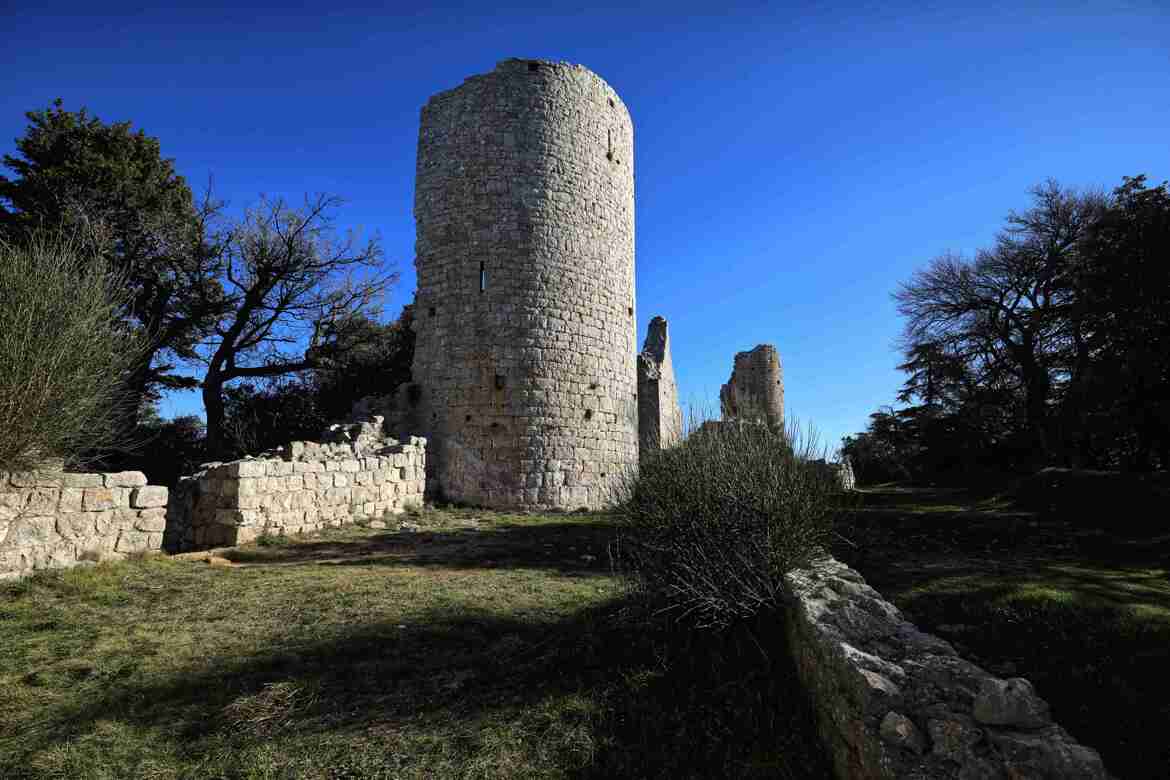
481	645
1078	605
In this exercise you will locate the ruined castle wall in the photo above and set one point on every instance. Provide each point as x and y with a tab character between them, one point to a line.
755	390
524	376
50	519
659	416
309	487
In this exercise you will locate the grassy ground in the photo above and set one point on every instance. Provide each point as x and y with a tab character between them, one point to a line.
480	645
1078	605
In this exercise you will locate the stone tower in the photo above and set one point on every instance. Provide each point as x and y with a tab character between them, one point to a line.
524	375
755	390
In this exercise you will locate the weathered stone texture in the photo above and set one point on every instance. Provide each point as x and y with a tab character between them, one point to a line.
354	473
524	375
893	702
660	423
50	519
755	391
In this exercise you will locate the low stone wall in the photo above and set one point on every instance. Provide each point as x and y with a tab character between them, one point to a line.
305	487
50	519
893	702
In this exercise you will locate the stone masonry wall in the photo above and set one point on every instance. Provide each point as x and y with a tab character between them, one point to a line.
660	423
524	376
50	519
305	487
755	390
893	702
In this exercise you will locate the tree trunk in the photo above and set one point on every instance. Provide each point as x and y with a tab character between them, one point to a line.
214	407
1036	389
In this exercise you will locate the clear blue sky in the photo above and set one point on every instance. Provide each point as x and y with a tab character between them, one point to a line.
793	162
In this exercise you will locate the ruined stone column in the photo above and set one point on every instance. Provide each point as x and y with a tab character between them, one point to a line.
755	391
659	416
524	377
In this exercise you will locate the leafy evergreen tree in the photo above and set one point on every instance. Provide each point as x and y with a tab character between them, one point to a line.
112	187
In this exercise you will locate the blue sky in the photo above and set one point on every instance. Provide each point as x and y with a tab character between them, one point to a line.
793	162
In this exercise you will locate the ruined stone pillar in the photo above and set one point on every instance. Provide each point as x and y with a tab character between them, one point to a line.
659	416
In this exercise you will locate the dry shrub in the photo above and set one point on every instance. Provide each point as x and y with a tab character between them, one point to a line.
709	527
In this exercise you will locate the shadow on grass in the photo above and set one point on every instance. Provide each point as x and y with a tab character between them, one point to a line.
574	548
602	694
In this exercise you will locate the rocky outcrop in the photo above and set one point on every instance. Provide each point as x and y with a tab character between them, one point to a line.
354	473
659	416
50	519
894	702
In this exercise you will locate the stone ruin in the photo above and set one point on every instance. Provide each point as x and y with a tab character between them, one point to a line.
660	423
755	391
355	472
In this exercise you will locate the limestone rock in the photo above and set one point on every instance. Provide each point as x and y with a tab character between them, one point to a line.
898	730
953	737
125	479
1011	702
1046	754
148	496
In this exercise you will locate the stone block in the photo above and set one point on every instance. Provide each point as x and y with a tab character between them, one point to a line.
279	468
82	480
76	526
130	541
148	497
30	530
953	737
1010	703
97	499
29	479
244	468
350	466
151	520
308	467
898	730
12	502
71	499
124	479
41	500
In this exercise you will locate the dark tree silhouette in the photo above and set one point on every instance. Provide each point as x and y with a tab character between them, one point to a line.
296	297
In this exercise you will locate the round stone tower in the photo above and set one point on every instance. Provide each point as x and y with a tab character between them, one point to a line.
524	376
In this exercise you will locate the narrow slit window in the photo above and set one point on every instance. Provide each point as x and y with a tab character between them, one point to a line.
482	276
609	144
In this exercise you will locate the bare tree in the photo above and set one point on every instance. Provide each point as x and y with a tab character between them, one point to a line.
292	290
1009	313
